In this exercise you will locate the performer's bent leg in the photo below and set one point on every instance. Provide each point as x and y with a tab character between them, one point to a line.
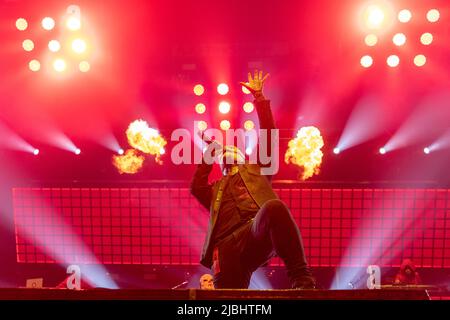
274	229
229	272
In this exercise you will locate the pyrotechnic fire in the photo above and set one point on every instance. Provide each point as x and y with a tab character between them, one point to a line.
148	140
130	162
304	151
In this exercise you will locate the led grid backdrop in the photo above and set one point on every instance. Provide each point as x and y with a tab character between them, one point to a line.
340	227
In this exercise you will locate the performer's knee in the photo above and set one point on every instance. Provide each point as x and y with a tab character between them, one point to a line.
276	209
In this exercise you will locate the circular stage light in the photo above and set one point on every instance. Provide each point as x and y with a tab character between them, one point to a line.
54	45
84	66
366	61
248	151
223	89
120	151
34	65
36	152
433	15
399	39
224	107
21	24
371	40
393	61
245	90
420	60
79	46
199	90
28	45
374	17
426	150
249	125
426	39
248	107
73	23
202	125
48	23
225	124
77	151
382	150
200	108
404	16
59	65
336	150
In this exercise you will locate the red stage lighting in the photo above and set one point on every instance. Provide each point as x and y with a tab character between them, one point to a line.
393	61
433	15
404	16
366	61
48	23
225	125
34	65
224	107
21	24
199	90
223	89
200	108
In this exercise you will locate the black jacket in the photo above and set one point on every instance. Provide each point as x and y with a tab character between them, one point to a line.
258	186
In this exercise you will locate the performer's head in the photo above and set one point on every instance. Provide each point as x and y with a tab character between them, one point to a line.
229	156
206	282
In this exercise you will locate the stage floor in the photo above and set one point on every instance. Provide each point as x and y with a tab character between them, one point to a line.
195	294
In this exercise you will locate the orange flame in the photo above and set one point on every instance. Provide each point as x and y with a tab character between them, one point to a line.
130	162
148	140
304	151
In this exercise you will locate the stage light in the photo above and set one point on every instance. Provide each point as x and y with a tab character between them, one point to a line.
36	152
371	40
382	150
374	17
77	151
248	151
249	125
84	66
223	89
28	45
433	15
54	45
399	39
21	24
426	150
59	65
420	60
248	107
48	23
73	23
34	65
393	61
336	150
79	46
120	151
426	38
200	108
245	90
224	107
225	125
404	16
366	61
202	125
199	90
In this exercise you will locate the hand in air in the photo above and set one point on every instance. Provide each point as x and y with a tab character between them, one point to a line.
255	85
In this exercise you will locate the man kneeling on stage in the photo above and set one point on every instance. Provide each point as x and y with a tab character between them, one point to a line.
248	223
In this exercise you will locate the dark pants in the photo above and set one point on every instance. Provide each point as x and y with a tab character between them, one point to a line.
272	232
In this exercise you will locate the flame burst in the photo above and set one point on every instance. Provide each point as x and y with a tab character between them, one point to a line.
130	162
148	140
304	151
